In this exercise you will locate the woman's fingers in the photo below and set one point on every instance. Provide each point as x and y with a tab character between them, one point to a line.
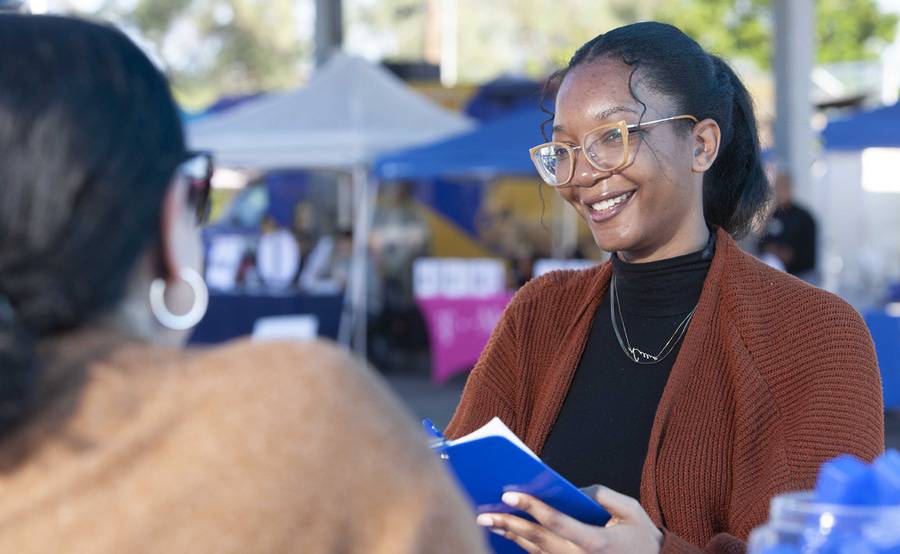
552	519
619	506
526	545
531	536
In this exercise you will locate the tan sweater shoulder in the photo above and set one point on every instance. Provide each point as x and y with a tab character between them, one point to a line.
331	461
247	448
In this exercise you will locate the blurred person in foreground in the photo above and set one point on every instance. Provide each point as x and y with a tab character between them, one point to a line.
114	440
790	233
685	377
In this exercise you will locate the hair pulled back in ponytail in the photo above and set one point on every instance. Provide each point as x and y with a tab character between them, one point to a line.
735	190
89	140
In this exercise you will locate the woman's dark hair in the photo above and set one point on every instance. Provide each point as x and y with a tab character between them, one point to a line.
89	139
735	190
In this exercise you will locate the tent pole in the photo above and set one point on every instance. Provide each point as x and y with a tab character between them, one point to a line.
348	311
361	226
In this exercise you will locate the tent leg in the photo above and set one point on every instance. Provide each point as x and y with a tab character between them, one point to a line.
353	331
348	310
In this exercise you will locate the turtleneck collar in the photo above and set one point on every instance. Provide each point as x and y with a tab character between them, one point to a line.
663	288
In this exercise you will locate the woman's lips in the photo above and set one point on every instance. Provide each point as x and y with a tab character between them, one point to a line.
609	208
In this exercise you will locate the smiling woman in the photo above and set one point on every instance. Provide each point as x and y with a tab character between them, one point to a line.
683	372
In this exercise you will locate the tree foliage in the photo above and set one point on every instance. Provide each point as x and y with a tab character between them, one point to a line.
846	30
536	36
214	47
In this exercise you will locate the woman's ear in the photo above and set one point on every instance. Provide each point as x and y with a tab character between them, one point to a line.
168	230
706	139
177	228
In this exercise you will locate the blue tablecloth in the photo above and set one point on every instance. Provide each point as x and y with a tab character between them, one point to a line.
885	330
232	315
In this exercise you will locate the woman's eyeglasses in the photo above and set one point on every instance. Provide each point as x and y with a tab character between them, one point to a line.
197	171
606	148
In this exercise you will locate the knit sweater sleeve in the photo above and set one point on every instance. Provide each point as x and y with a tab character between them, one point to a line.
491	388
720	544
821	401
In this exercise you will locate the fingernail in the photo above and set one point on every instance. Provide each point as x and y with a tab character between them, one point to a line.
510	499
485	521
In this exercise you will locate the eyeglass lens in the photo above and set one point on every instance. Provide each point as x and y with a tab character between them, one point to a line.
605	149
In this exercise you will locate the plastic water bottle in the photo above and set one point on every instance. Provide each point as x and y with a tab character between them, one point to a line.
855	509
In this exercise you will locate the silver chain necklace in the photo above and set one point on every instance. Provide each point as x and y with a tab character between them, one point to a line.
636	354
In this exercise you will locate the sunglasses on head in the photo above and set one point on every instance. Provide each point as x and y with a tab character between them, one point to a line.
197	170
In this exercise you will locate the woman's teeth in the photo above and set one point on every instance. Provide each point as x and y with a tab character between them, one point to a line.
610	202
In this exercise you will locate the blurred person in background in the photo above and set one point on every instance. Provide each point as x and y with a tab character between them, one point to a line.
790	233
399	235
507	236
304	228
112	439
685	378
327	268
278	256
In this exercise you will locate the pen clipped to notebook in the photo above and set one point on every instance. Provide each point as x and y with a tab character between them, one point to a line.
435	437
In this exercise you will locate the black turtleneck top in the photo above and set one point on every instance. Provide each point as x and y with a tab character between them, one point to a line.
603	429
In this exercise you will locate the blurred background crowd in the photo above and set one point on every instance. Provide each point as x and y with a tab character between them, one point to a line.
372	181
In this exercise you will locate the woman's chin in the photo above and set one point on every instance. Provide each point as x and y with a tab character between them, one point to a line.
612	240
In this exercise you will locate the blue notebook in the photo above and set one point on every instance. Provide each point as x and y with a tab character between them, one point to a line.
492	461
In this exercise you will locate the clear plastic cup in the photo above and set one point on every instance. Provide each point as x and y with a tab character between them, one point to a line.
798	525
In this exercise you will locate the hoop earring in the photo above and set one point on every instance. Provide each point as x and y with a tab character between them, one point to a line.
180	322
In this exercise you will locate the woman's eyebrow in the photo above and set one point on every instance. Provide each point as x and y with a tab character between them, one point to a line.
610	111
600	116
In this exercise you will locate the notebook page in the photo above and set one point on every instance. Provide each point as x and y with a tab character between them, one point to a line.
495	428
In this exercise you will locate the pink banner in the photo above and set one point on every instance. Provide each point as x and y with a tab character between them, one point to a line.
458	330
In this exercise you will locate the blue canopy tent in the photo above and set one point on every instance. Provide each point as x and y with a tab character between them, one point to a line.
878	128
499	147
503	96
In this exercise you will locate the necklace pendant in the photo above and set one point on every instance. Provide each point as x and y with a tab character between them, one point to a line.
637	353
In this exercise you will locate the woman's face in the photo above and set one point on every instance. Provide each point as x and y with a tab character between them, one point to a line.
658	194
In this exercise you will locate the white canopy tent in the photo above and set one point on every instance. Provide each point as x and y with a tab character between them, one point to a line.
350	112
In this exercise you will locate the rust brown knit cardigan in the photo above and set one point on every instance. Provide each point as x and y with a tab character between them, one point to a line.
774	377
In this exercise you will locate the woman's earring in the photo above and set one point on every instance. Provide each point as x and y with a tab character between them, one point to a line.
180	322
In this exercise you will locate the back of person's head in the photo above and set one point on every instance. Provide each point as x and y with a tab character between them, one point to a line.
89	139
669	62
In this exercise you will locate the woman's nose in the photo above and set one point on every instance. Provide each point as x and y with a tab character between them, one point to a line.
584	174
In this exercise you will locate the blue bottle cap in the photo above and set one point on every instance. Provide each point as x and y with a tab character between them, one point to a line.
886	470
846	480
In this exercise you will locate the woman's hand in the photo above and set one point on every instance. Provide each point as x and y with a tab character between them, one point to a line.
630	531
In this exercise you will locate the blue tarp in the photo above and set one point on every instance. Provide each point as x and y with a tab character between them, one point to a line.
869	129
499	147
503	96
